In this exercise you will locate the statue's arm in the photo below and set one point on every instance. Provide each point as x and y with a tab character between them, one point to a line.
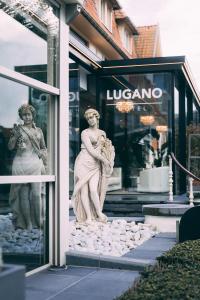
42	141
86	141
15	134
103	133
43	148
12	142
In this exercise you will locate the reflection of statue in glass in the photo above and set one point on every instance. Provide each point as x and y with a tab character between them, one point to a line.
30	159
93	166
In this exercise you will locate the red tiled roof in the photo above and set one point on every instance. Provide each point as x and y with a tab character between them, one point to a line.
148	41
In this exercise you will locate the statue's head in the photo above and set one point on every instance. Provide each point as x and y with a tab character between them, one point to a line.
24	108
91	111
89	116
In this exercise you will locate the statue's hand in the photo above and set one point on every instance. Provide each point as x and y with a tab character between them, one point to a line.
43	156
16	131
106	162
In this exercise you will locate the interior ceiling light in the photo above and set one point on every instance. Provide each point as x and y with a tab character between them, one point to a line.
161	128
147	120
124	106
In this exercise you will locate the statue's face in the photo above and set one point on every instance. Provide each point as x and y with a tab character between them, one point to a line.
27	117
92	120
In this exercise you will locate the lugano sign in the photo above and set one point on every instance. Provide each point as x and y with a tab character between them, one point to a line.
129	94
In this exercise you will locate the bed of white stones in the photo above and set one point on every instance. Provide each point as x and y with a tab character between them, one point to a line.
19	241
112	238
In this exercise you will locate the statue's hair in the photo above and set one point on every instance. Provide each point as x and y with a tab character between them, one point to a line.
26	107
91	111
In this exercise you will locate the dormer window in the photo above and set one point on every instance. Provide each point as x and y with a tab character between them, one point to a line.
126	38
104	10
126	30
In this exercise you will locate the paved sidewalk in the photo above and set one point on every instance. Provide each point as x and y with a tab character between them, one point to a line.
87	283
153	247
78	283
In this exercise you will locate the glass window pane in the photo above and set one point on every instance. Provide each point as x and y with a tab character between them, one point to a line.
29	38
135	117
24	134
24	223
82	95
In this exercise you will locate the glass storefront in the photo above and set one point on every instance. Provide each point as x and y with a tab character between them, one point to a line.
14	95
24	223
29	38
82	95
134	111
24	206
193	144
144	114
29	45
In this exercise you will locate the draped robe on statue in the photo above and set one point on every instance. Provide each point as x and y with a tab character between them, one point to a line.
86	166
27	161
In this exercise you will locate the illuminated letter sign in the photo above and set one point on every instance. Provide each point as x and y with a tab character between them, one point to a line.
128	94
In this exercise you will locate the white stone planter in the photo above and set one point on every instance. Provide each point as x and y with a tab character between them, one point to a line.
164	216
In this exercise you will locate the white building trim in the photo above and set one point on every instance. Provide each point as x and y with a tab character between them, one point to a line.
23	79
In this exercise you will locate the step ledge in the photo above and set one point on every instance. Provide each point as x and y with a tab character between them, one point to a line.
169	209
78	258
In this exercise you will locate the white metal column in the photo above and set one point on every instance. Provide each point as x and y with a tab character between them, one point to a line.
62	203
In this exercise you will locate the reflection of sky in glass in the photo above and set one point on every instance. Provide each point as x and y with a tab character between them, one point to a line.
18	45
12	96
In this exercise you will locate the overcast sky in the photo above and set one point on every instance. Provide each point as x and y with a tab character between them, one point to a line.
179	22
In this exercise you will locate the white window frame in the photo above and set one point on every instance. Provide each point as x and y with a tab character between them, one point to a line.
126	38
106	15
58	189
33	83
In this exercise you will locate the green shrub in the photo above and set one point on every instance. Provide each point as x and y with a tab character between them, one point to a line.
176	276
163	283
184	253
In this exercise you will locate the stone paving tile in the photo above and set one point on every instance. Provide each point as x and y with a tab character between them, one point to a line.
103	285
166	235
32	294
116	275
153	247
48	283
144	254
82	283
79	296
99	285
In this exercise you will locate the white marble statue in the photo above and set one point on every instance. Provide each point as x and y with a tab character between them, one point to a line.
26	200
93	166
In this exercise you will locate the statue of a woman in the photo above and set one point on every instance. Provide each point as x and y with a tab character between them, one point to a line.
30	159
93	166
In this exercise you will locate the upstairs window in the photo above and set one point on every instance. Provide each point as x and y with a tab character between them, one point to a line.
104	9
126	38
